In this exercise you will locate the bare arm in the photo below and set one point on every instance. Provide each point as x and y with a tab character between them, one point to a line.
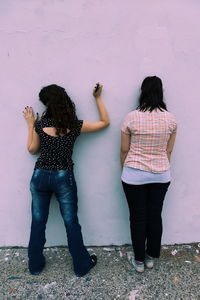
33	143
103	115
125	146
170	144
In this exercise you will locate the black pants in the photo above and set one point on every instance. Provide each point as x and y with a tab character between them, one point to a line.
145	205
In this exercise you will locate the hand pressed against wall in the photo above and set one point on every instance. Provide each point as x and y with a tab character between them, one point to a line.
33	143
29	116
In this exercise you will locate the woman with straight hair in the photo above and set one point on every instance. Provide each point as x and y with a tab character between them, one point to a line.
147	139
54	136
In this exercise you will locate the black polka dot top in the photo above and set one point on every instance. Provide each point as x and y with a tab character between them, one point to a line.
55	152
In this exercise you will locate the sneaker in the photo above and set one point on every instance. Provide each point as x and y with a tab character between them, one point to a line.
149	262
138	266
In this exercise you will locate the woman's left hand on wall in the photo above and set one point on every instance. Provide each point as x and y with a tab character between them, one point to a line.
29	116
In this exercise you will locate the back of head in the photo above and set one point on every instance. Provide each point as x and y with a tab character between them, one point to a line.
151	94
59	107
51	93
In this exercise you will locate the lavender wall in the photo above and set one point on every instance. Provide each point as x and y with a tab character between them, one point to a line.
75	44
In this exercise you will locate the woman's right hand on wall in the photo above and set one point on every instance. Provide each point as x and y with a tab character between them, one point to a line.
97	90
103	115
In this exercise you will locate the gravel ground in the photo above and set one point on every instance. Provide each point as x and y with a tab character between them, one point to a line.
176	276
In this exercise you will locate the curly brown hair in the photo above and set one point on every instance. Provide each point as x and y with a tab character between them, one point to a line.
60	108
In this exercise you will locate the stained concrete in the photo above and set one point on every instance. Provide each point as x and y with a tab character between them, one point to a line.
176	276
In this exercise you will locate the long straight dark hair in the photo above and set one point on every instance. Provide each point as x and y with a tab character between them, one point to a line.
151	96
59	107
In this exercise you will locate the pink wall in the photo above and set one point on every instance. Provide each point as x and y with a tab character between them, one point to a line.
75	44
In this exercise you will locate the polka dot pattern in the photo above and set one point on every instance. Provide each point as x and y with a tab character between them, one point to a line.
56	152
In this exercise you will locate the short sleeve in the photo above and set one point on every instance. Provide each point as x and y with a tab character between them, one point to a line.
77	130
37	127
174	128
173	125
124	126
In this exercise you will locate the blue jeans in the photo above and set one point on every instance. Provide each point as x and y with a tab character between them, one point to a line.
62	183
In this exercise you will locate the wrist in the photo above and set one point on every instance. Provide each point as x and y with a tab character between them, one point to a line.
31	126
98	98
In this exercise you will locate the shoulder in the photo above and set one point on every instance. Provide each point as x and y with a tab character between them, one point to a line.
129	121
131	115
44	122
171	121
170	115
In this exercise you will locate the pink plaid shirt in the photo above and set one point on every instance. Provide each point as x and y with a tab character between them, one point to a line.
150	132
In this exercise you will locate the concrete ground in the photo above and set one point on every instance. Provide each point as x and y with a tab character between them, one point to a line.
176	276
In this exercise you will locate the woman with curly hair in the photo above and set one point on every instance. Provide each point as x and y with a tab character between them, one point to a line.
54	136
147	139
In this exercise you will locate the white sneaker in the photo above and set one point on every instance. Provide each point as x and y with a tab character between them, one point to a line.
139	267
149	262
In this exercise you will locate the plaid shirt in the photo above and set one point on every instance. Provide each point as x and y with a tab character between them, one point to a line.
149	132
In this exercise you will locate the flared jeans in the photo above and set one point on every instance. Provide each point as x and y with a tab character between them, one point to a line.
43	185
